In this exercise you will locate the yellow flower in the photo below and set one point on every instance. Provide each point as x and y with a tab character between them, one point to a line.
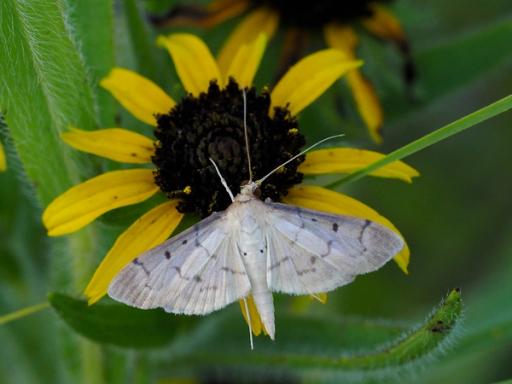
3	162
335	19
208	123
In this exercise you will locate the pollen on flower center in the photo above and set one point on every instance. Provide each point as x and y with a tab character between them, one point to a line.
313	14
211	126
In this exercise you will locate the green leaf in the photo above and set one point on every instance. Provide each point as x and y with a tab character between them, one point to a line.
457	62
432	138
150	58
44	89
117	324
94	32
323	347
487	322
445	66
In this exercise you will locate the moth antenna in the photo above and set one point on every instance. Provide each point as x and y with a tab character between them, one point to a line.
223	181
249	322
246	133
297	155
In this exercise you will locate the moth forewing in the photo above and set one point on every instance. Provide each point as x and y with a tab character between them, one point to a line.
313	252
181	273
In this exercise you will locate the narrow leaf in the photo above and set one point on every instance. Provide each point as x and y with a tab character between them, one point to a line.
494	109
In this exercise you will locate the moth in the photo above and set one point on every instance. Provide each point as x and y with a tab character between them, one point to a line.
254	248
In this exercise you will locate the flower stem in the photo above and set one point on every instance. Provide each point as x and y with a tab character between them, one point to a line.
24	312
432	138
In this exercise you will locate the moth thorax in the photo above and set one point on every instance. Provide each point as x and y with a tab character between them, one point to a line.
249	224
250	189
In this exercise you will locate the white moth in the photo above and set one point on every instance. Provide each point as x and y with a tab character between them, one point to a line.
254	248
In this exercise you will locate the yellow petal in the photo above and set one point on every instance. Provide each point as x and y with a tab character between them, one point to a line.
344	38
347	160
246	61
150	230
262	20
256	324
140	96
83	203
322	199
309	78
367	103
193	60
384	24
321	297
3	161
341	37
112	143
302	304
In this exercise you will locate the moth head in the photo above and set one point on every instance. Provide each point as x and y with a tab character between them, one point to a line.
251	188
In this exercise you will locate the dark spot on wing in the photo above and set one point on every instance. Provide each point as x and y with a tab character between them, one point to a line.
314	220
363	229
137	262
197	278
234	272
313	259
184	241
335	227
301	272
167	255
210	288
329	245
298	211
278	263
178	270
261	251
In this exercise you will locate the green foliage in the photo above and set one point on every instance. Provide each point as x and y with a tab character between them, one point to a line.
42	71
452	64
336	347
92	24
118	324
455	217
426	141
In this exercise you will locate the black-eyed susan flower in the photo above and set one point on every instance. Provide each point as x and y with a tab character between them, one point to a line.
336	20
208	123
3	161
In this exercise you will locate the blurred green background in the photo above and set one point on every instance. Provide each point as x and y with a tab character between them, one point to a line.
456	217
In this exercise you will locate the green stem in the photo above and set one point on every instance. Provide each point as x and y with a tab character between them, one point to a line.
432	138
24	312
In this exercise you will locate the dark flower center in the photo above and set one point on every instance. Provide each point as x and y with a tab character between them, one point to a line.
212	126
316	13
